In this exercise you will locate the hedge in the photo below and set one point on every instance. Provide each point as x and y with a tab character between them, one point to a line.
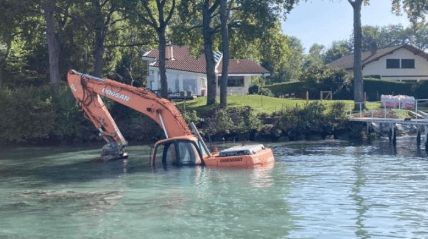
373	87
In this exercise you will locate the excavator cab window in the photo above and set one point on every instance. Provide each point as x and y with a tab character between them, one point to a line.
157	160
177	153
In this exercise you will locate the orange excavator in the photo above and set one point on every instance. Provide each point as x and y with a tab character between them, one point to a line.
182	146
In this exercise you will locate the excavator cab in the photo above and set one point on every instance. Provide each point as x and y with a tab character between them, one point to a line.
177	152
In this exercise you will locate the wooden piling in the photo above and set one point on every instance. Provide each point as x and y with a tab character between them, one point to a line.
426	144
418	138
390	134
394	135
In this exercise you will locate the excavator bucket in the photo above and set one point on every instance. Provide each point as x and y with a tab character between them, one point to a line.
113	151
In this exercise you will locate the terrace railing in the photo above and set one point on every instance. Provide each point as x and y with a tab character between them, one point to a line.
377	110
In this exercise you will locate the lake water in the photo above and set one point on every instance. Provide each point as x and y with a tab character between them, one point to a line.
319	189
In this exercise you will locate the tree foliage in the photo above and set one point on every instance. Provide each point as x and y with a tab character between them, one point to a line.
415	9
249	23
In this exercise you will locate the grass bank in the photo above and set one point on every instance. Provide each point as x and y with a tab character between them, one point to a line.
261	104
256	117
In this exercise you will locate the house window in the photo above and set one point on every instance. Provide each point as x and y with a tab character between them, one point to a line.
235	81
408	63
392	63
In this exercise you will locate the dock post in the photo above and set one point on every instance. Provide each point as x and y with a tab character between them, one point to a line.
394	135
426	138
418	138
390	133
370	130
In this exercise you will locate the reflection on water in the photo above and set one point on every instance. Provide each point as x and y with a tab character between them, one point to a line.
321	189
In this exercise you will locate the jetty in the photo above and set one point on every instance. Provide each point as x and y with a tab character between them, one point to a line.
382	117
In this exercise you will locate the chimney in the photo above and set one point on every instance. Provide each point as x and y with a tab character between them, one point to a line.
169	52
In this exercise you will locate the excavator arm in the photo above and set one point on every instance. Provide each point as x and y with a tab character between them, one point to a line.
87	90
181	147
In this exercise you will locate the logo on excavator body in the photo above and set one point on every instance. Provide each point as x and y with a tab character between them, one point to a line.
115	94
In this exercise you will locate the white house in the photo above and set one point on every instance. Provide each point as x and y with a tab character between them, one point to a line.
404	63
185	73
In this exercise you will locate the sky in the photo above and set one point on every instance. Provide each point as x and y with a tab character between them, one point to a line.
325	21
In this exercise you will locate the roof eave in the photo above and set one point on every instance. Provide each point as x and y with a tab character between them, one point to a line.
149	59
247	74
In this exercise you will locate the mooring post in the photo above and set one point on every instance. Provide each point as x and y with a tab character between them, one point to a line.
418	138
426	138
390	133
370	130
394	135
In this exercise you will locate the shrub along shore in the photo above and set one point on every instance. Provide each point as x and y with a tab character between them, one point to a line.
32	116
262	118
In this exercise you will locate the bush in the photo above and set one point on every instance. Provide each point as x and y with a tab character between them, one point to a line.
231	121
33	115
71	125
191	116
313	119
266	92
420	90
279	89
26	115
253	89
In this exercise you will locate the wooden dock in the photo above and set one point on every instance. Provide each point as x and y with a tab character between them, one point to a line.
418	121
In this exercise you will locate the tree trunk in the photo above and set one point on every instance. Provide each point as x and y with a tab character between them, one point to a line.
1	77
358	74
53	47
99	52
209	55
162	63
225	45
4	60
100	35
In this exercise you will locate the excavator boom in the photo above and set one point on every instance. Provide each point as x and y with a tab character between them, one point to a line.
87	90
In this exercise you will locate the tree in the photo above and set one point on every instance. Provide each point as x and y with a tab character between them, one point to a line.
159	21
358	70
208	10
53	43
315	56
8	31
415	9
249	19
280	54
293	64
224	15
337	50
418	35
101	16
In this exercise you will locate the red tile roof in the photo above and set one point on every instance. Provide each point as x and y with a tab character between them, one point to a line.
347	62
184	62
243	67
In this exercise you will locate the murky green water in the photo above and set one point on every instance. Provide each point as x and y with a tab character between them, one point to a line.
323	189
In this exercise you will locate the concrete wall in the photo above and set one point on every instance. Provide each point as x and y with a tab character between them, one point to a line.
420	72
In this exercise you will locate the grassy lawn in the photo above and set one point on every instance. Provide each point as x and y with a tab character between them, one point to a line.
267	105
262	104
